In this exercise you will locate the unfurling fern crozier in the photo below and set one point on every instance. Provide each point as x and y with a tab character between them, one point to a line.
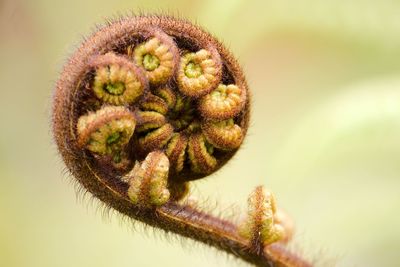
145	106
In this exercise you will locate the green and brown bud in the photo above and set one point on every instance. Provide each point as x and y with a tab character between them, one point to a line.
176	150
167	94
117	81
199	73
158	57
148	180
183	113
156	139
200	154
260	227
226	101
149	120
225	135
106	131
154	103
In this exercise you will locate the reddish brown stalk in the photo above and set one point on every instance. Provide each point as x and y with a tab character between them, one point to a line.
192	223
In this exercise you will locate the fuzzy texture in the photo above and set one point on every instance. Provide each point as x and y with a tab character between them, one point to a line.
117	80
226	101
148	180
158	56
144	192
260	227
199	72
225	135
106	133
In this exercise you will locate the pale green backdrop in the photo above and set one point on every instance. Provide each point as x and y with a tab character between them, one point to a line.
325	132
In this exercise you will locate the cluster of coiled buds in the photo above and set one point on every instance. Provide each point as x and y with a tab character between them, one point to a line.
156	95
148	104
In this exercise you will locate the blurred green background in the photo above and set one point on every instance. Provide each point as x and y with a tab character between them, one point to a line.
325	135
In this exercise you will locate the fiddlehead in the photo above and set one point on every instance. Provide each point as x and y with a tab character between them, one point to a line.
148	104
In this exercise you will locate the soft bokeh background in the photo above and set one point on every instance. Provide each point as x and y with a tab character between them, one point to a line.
325	133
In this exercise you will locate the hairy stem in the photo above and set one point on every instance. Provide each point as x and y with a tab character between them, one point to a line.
197	225
223	235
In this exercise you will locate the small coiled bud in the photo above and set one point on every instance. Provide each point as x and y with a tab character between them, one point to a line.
260	226
107	130
154	103
158	57
156	139
199	73
224	102
200	154
149	120
148	180
176	151
117	81
225	135
167	94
